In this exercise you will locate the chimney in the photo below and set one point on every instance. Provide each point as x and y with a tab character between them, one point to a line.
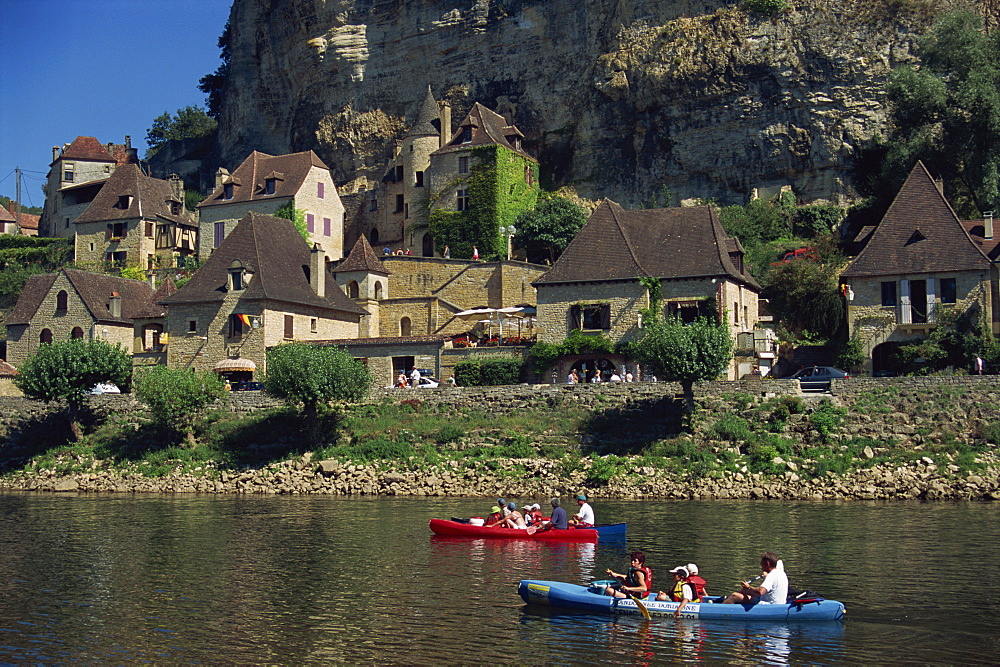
445	124
55	153
220	176
115	305
131	155
317	274
988	225
176	187
939	182
128	141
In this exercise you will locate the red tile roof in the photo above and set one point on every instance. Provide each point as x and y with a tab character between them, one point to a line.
362	258
920	233
87	148
6	370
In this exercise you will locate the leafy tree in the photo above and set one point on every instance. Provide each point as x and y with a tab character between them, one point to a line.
758	222
69	370
177	397
947	113
214	84
314	375
297	216
684	353
546	231
190	122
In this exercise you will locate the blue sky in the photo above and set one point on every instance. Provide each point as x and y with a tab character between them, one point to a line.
103	68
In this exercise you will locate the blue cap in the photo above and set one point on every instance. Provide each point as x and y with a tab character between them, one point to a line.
511	505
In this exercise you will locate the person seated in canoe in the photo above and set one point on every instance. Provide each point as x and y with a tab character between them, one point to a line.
502	504
774	588
682	591
697	581
536	515
526	513
558	520
584	517
495	519
637	581
515	519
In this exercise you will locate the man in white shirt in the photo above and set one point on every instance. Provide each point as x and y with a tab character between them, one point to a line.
774	588
585	513
414	378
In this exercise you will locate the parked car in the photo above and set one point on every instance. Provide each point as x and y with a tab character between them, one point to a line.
427	382
818	377
248	386
105	388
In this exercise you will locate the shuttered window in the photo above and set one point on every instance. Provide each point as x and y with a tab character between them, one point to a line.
289	327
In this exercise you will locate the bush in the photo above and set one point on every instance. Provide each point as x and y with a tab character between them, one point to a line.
991	433
487	372
731	428
176	397
765	7
450	433
827	418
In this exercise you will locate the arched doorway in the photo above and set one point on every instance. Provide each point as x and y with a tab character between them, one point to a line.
428	245
76	333
45	337
588	368
884	359
404	326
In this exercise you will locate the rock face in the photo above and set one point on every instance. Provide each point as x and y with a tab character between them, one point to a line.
618	98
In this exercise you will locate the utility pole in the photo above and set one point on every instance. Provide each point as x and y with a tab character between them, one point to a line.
17	199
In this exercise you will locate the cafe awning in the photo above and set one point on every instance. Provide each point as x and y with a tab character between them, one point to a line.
238	364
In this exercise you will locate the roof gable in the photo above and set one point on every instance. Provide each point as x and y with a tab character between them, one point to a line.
919	233
362	258
278	258
249	179
620	244
129	193
94	290
87	148
487	128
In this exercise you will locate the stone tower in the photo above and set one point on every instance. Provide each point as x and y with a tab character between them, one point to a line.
366	282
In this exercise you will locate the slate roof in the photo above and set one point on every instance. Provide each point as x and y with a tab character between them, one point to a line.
977	231
362	258
428	118
154	308
150	197
488	128
920	233
289	172
620	244
86	148
278	258
95	291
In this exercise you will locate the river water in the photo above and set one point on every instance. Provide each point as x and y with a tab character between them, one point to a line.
310	580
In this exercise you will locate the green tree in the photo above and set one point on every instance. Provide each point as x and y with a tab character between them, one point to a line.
69	370
214	84
176	397
804	295
297	216
190	122
545	231
313	375
684	353
758	222
946	112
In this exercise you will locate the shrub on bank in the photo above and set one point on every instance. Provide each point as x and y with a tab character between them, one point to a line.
487	372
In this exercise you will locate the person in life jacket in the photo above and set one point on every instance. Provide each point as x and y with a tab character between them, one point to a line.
682	590
495	518
697	581
637	581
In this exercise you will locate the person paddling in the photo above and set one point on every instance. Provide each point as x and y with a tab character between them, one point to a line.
558	520
584	517
774	588
637	581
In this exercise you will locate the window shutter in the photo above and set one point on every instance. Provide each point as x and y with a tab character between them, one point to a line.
108	234
574	316
906	317
931	301
606	316
289	327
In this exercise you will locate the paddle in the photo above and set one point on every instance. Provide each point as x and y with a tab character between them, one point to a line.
639	604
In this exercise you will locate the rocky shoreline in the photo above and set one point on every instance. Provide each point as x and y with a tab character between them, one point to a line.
919	480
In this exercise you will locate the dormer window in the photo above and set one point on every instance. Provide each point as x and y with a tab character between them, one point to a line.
467	134
227	191
124	202
238	276
269	186
175	208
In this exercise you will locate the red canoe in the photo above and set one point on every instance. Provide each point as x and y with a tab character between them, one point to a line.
456	529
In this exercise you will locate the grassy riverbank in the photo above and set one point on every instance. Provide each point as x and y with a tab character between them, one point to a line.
605	448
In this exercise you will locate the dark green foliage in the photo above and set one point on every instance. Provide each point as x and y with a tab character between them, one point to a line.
189	123
487	372
851	356
732	428
577	342
827	418
811	221
991	433
543	356
33	210
177	397
546	231
24	256
758	222
297	216
68	370
214	84
765	7
947	113
450	433
804	295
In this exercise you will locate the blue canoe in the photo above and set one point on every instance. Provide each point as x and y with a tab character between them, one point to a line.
592	600
611	531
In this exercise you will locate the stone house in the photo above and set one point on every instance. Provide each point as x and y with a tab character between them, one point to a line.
412	302
78	304
136	220
263	286
594	285
8	225
76	174
917	263
263	184
7	386
434	169
16	222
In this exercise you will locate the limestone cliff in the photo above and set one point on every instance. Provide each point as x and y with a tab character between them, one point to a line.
618	97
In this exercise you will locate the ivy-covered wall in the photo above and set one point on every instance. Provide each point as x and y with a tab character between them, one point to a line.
501	185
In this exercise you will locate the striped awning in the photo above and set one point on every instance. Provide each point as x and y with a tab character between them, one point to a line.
238	364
